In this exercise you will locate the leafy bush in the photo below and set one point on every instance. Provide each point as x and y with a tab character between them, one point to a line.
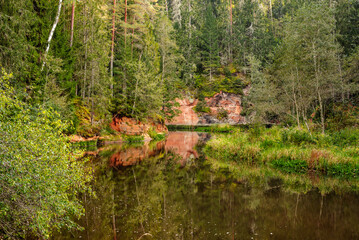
40	177
342	116
345	137
227	72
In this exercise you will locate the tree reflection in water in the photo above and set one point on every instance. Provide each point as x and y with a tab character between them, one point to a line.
167	190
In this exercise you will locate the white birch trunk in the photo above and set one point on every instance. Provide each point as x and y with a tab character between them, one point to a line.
52	34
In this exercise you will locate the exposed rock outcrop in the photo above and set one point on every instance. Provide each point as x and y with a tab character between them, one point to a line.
227	104
130	126
187	116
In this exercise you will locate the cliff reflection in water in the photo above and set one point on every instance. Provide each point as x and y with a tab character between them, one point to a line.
163	199
180	143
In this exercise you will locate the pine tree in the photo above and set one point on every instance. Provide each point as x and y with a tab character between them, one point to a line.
210	41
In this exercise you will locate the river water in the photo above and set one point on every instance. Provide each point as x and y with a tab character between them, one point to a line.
167	190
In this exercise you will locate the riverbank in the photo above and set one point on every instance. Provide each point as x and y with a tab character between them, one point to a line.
293	155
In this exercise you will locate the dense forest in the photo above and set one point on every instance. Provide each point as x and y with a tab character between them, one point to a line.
89	60
69	66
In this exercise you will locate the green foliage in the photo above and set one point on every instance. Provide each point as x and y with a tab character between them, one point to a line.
290	165
296	137
345	137
222	114
233	84
347	15
290	151
156	136
202	107
40	177
133	139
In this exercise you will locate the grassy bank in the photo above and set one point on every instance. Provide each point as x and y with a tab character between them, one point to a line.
281	153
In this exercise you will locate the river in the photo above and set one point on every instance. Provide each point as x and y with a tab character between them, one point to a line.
167	190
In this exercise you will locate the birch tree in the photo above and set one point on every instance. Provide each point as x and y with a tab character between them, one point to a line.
52	33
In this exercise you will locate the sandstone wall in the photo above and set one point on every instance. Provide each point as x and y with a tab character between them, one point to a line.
130	126
229	102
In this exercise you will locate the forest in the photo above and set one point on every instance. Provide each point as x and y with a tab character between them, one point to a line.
68	67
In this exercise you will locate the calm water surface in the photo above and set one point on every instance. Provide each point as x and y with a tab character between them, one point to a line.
166	190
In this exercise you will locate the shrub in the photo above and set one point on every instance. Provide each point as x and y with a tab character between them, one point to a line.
227	72
346	137
40	177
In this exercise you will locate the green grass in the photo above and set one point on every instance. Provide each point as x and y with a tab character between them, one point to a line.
289	151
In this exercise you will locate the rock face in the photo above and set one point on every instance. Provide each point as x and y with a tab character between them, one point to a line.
228	103
130	126
187	116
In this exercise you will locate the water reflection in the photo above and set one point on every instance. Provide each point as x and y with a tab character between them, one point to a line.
180	143
128	156
159	195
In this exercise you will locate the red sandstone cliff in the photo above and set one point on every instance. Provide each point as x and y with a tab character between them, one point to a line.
229	102
130	126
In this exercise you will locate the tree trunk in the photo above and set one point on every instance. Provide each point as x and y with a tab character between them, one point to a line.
163	68
91	88
316	70
72	23
341	80
230	30
113	43
295	79
52	33
271	13
189	27
133	36
86	50
296	106
125	23
134	102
